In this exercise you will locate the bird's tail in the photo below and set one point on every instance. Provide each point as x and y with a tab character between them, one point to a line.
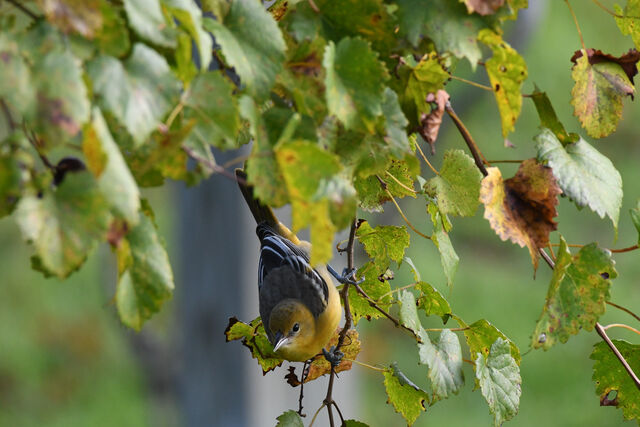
261	212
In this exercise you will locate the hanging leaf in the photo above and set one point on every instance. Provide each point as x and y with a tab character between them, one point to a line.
448	256
577	294
254	337
188	13
499	377
548	118
432	301
407	399
375	284
628	22
290	419
583	174
522	208
147	19
384	243
428	76
481	335
444	359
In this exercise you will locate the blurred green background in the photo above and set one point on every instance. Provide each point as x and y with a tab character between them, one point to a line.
66	361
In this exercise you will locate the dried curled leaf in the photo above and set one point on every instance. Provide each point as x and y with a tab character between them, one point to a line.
522	208
483	7
430	123
351	347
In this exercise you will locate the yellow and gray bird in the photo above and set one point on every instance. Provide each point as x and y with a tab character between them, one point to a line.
299	305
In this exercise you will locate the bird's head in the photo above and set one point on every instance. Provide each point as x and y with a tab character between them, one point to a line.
293	329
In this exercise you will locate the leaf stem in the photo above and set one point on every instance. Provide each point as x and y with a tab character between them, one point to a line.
313	420
426	160
626	310
402	288
216	168
600	330
575	20
384	187
365	365
411	190
505	161
450	329
23	9
621	325
609	11
475	151
469	82
629	249
174	113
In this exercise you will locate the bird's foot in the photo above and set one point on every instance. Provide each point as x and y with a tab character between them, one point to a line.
333	356
347	276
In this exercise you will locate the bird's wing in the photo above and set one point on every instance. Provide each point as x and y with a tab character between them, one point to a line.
277	252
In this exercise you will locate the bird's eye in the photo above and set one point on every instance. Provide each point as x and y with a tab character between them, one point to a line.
296	327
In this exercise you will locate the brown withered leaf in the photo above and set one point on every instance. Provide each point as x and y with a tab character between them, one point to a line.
81	16
522	208
627	61
484	7
430	123
320	366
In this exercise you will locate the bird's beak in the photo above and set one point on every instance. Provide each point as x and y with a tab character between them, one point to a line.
280	341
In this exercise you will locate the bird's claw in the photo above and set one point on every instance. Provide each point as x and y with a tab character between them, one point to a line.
347	276
333	356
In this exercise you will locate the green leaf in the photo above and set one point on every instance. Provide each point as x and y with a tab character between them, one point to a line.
145	279
432	301
453	30
63	106
457	187
147	19
577	294
377	287
409	312
138	93
384	243
290	419
16	82
499	377
262	170
548	118
407	399
209	101
252	43
354	423
113	36
481	335
583	174
444	359
190	17
597	95
10	184
629	24
507	71
396	125
428	76
372	192
78	16
613	384
185	67
65	223
106	163
635	217
255	339
448	256
354	83
411	16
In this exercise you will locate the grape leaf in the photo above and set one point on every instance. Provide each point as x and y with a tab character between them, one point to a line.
432	301
457	187
407	399
147	19
507	71
254	337
411	17
63	106
351	347
64	224
372	193
16	85
384	243
548	118
290	419
428	76
577	294
409	313
106	163
113	37
583	174
190	17
210	102
10	184
522	208
481	335
138	93
628	23
396	125
448	256
256	51
597	95
611	377
635	218
376	286
444	359
499	377
80	16
145	278
354	423
354	83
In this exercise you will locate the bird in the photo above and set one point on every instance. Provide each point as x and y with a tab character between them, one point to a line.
299	304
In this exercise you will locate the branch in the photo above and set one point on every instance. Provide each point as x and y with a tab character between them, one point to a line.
344	294
575	20
626	310
404	217
23	9
600	330
475	151
216	168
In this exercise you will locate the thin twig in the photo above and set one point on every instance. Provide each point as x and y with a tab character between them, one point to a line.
339	412
406	220
305	371
626	310
174	113
629	249
609	11
392	291
547	258
216	168
449	329
553	256
575	20
23	9
344	294
313	420
469	82
621	325
426	160
365	365
505	161
475	151
235	160
600	330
